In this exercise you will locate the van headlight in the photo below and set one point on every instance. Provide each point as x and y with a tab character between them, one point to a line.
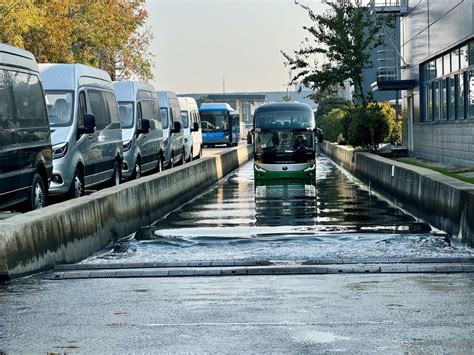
127	145
59	150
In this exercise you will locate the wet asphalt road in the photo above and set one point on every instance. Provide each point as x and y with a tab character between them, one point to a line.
237	220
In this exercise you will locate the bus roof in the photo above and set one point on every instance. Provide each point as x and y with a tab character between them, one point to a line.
283	106
216	107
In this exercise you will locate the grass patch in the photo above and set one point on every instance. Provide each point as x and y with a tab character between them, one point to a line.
456	174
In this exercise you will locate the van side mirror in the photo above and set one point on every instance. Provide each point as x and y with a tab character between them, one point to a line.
176	127
89	124
195	127
144	126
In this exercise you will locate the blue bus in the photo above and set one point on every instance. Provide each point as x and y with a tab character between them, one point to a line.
220	124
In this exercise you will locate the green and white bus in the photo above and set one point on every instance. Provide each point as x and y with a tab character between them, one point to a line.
285	139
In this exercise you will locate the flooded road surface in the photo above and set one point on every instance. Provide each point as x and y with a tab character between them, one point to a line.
336	217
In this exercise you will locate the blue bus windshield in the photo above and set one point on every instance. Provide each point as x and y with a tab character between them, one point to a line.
284	120
214	121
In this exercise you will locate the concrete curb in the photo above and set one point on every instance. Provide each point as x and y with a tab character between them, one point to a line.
71	231
442	201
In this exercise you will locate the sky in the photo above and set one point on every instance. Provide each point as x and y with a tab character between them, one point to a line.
197	43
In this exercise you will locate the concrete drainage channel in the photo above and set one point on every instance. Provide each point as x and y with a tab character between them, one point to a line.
70	231
263	267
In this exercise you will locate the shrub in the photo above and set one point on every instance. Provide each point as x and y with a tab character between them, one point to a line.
332	123
368	126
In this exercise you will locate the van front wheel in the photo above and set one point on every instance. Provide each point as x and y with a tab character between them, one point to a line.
77	186
36	196
116	176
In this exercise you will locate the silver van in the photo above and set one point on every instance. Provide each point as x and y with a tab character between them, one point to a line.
191	128
173	137
141	128
25	141
85	127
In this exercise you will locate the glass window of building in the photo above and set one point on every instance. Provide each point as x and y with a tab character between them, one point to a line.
429	101
451	98
444	101
436	100
454	60
471	53
463	57
470	94
447	64
439	67
460	102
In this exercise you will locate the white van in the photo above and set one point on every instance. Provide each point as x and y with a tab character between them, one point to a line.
141	128
191	128
85	127
173	138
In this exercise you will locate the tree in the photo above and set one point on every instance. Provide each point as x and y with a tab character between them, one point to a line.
109	34
332	124
368	126
328	104
344	35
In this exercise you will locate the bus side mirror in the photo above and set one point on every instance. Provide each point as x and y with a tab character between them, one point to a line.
195	127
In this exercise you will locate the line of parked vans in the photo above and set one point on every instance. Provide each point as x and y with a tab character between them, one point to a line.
68	127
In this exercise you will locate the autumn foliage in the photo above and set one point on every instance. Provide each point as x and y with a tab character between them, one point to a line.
109	34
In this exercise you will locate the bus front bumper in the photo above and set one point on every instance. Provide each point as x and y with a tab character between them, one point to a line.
282	171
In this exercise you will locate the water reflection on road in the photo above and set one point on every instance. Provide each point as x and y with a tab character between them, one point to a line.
336	217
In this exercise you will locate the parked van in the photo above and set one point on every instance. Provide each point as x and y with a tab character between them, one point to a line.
25	140
191	128
85	128
173	138
141	128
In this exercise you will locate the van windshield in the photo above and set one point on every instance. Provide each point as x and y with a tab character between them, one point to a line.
126	114
60	110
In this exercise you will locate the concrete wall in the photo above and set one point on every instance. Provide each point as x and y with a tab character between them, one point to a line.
450	143
444	202
71	231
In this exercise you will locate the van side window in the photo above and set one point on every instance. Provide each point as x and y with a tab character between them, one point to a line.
82	109
29	100
99	108
147	110
139	112
156	113
6	104
113	107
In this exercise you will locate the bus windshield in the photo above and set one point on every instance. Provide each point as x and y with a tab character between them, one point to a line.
284	120
282	142
214	121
